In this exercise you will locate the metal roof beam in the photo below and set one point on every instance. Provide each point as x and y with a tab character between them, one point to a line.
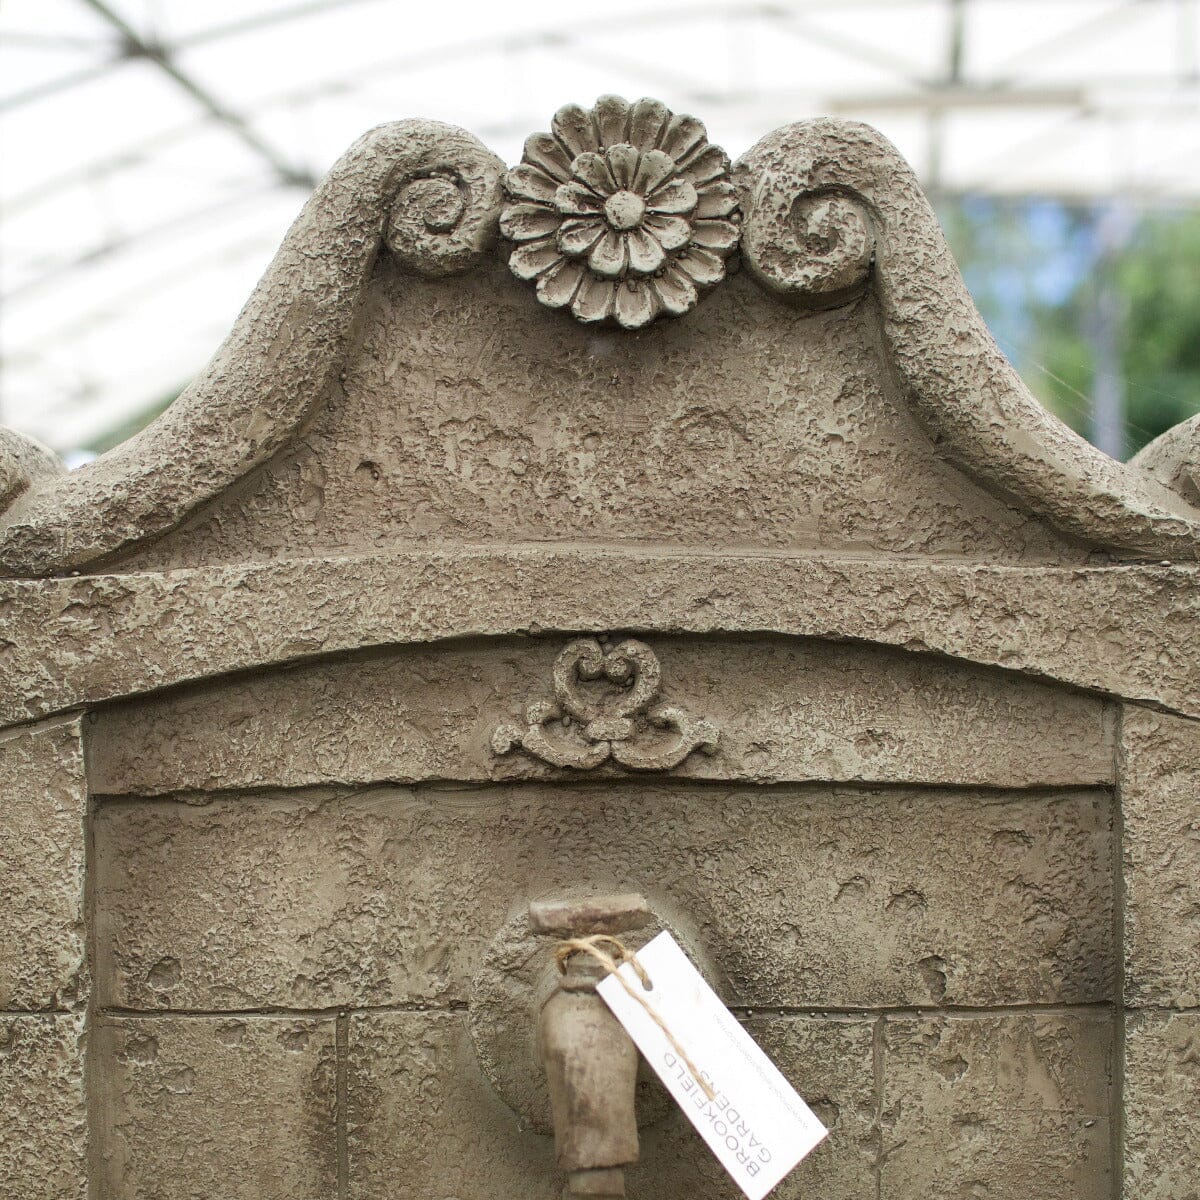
136	46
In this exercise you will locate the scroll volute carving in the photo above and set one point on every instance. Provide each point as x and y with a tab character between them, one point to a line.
606	707
809	241
446	214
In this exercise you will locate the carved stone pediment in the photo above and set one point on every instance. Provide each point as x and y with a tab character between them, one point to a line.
391	381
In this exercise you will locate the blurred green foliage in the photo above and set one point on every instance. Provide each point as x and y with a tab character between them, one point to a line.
1036	270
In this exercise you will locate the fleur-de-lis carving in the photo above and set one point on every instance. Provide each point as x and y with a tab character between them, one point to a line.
604	707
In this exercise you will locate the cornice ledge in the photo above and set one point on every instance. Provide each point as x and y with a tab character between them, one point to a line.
432	191
1121	629
829	207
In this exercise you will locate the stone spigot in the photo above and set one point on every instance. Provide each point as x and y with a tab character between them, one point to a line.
590	1061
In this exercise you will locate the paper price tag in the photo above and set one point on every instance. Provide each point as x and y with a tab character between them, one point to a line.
757	1125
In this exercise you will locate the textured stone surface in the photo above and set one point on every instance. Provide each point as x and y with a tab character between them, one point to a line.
683	433
785	711
1162	1098
419	1117
960	387
1011	1107
43	803
1160	795
198	1108
278	364
43	1123
1122	630
849	897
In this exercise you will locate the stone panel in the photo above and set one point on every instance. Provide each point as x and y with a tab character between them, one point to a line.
195	1108
43	806
43	1113
737	427
787	710
846	897
1162	1100
1012	1107
1160	794
422	1122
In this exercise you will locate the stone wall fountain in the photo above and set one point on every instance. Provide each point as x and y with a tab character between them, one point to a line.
626	522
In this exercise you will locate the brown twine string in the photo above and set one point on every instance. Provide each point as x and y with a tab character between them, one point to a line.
610	962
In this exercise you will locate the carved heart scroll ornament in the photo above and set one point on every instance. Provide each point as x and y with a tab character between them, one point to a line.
603	699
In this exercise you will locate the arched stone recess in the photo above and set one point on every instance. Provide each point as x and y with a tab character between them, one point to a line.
344	835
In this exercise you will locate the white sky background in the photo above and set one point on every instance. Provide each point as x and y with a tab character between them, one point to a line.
133	225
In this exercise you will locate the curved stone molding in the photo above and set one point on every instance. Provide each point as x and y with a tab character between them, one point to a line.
280	361
813	248
71	643
621	212
814	193
445	217
1173	459
588	725
23	460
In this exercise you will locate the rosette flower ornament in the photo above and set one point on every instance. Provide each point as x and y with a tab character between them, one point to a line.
622	212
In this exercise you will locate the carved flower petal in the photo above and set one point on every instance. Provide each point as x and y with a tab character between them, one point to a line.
654	169
573	127
612	120
706	167
647	119
594	300
622	162
636	304
645	253
715	235
558	286
543	151
676	292
577	237
702	265
577	199
524	222
717	200
528	183
684	136
676	196
609	255
530	260
592	169
670	232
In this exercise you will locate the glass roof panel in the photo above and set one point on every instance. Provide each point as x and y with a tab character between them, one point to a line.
156	150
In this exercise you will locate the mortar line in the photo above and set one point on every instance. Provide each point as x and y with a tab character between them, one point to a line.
739	1011
342	1088
1051	1008
281	1012
93	1102
432	787
27	726
878	1035
1117	1088
1086	1008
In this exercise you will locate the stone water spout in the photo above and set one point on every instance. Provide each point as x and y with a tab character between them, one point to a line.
590	1062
